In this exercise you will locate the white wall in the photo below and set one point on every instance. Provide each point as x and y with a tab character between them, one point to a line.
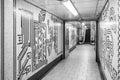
72	34
8	39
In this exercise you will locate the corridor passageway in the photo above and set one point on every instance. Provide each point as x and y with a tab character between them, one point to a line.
80	65
60	40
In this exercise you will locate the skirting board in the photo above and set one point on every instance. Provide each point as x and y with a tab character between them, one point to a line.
71	49
40	74
103	77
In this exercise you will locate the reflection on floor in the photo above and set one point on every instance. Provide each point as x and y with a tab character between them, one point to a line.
80	65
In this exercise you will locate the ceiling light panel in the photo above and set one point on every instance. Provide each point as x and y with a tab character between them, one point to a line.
68	4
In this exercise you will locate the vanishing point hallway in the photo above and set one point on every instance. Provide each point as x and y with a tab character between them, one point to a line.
80	65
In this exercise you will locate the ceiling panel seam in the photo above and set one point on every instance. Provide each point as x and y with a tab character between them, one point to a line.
103	9
96	8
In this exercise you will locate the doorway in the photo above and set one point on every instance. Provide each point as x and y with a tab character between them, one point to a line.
87	35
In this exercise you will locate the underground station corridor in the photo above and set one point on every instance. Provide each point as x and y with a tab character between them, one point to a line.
59	39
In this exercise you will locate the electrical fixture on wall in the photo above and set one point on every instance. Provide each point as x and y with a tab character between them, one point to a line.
68	4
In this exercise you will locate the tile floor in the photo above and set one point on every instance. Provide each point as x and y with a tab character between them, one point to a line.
80	65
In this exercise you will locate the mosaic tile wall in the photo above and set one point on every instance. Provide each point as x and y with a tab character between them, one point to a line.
93	31
72	36
109	37
119	39
38	39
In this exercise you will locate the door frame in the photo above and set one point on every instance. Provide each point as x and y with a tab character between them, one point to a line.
2	40
97	42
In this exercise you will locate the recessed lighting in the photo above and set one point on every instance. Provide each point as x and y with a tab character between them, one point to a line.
68	4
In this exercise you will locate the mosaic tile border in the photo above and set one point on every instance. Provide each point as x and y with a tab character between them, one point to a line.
118	40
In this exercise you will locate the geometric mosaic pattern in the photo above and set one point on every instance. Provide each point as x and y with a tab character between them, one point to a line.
118	39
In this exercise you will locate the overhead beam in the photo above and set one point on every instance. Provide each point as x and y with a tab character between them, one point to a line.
88	20
82	20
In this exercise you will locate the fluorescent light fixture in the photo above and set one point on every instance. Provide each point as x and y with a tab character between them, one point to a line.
83	24
68	4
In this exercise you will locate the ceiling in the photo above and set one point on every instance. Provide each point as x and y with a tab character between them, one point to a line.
87	9
75	23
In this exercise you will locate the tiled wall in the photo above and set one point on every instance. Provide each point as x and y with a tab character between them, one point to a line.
83	28
66	40
8	40
72	34
93	30
38	39
119	39
108	40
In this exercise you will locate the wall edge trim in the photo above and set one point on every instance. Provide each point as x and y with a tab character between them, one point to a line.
101	71
14	40
2	39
